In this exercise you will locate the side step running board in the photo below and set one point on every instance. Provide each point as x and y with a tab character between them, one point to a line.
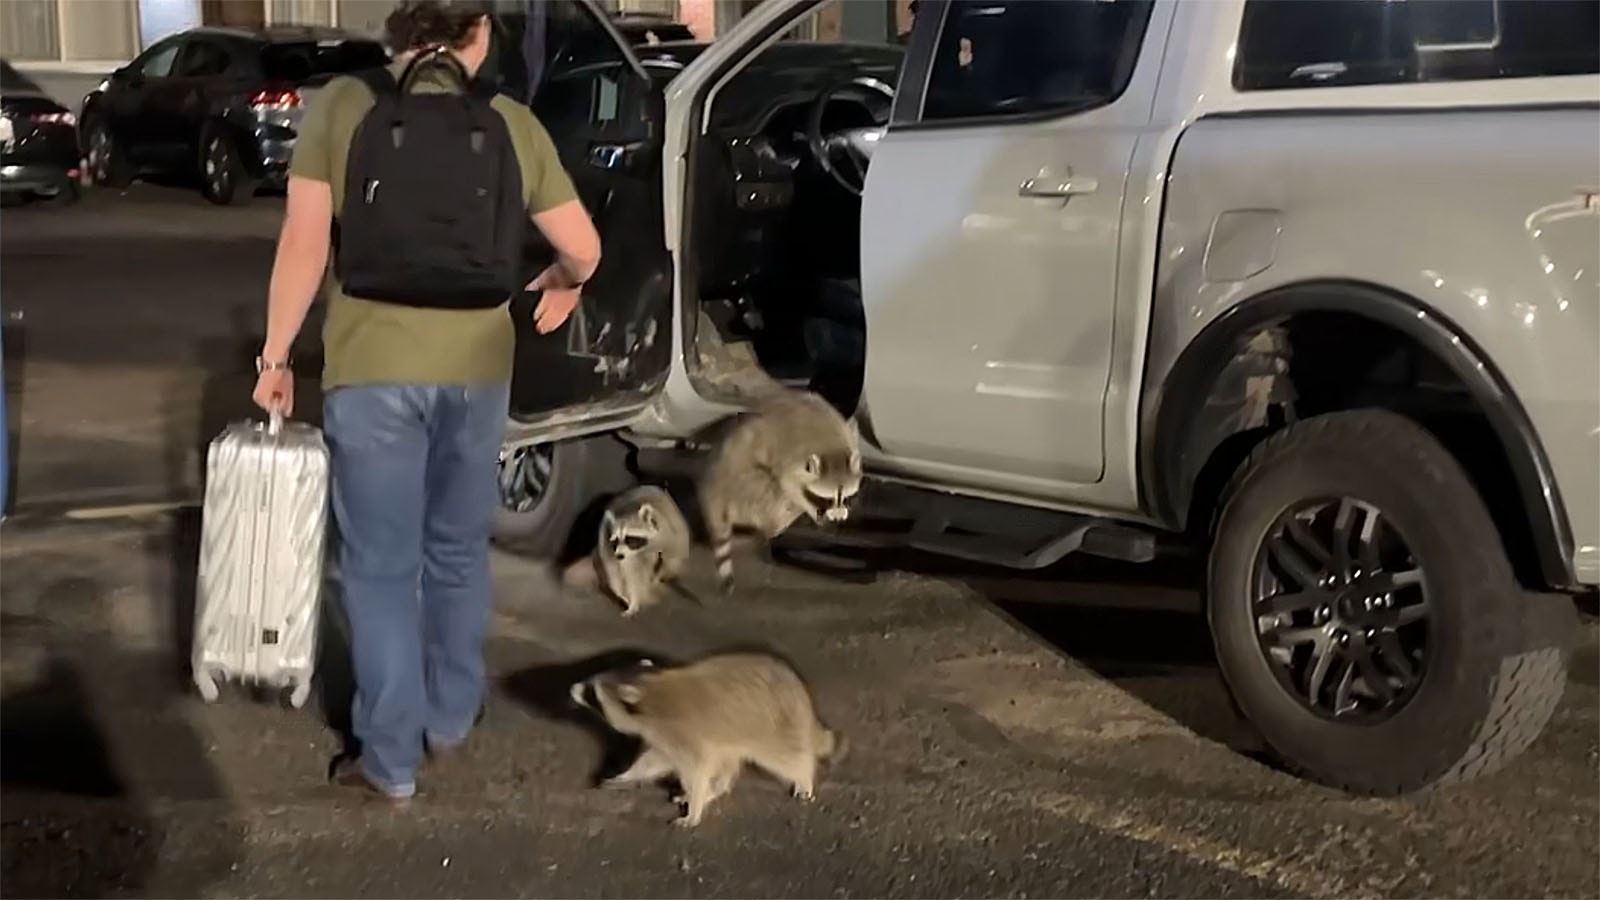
990	532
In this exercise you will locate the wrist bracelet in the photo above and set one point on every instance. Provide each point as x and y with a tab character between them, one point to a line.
262	365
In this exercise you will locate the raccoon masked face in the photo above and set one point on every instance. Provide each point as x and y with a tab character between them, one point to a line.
832	479
610	690
624	539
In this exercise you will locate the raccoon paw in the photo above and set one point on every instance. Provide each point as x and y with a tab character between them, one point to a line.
684	821
837	513
804	795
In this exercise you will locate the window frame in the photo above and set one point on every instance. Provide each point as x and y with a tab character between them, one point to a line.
196	43
923	45
1422	52
176	42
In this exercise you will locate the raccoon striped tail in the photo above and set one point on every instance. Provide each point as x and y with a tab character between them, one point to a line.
722	552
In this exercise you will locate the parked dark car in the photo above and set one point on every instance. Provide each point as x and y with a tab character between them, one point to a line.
38	141
220	103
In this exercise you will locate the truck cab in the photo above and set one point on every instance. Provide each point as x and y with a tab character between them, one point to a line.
1313	287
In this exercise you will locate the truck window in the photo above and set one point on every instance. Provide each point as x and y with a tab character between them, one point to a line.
1335	43
1030	57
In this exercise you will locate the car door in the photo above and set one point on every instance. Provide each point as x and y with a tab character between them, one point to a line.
991	230
185	100
140	108
604	115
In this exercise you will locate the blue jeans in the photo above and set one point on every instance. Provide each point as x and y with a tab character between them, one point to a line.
414	495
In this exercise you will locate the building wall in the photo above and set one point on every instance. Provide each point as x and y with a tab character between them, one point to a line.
98	29
300	12
364	16
29	29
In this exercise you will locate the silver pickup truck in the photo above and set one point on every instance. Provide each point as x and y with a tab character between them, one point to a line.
1315	286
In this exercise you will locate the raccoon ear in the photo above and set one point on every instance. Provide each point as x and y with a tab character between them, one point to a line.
813	465
608	523
647	515
629	694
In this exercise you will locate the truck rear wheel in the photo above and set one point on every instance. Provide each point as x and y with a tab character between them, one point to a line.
1365	615
546	490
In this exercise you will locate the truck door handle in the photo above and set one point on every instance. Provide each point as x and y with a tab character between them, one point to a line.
1043	186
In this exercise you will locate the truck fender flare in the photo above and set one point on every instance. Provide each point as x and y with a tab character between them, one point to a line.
1188	427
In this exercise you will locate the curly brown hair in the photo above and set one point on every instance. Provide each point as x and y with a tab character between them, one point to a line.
432	23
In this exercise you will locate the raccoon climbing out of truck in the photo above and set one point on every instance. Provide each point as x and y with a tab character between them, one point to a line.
791	455
642	548
701	722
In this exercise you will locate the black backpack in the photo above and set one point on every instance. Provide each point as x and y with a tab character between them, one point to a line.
433	212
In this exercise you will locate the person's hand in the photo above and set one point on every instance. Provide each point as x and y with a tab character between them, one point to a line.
275	391
557	301
553	309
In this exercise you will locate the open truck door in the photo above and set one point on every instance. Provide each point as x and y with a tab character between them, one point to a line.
565	60
605	364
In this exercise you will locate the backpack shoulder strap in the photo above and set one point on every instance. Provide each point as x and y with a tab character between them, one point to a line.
379	80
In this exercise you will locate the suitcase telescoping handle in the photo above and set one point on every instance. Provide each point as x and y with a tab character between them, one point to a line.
274	423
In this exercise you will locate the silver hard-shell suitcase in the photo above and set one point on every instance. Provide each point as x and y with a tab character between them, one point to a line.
262	545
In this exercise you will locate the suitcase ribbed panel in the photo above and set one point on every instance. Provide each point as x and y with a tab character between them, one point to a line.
262	541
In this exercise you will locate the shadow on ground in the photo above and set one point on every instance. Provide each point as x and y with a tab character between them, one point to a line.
546	691
1141	627
93	747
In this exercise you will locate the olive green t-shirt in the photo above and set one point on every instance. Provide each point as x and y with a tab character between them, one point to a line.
368	342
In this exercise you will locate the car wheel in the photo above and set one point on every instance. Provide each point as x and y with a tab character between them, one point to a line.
106	163
223	179
545	489
1365	615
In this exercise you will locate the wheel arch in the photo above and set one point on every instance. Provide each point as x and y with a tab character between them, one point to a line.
1209	413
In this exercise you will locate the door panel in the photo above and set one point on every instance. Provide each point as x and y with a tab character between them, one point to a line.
604	116
990	298
137	114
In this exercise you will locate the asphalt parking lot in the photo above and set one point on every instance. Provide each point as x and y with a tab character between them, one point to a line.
1060	735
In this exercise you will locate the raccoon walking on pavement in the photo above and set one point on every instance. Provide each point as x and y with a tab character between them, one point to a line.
643	546
701	722
791	455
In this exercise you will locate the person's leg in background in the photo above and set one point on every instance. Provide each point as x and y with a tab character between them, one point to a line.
463	492
378	447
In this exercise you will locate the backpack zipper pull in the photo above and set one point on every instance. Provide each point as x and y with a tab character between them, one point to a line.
370	191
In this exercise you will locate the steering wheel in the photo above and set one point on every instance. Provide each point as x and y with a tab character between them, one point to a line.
844	154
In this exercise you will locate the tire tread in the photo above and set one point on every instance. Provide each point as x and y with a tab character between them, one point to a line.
1528	646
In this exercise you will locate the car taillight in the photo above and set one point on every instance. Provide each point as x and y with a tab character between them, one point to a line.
55	118
276	98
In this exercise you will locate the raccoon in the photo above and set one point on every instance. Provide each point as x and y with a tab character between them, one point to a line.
701	722
791	455
643	546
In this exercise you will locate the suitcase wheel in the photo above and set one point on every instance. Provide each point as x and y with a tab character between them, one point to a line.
299	695
207	685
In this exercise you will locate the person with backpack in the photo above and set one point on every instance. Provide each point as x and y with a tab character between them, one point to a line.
420	183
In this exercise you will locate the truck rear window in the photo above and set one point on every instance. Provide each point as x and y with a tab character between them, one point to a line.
319	60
